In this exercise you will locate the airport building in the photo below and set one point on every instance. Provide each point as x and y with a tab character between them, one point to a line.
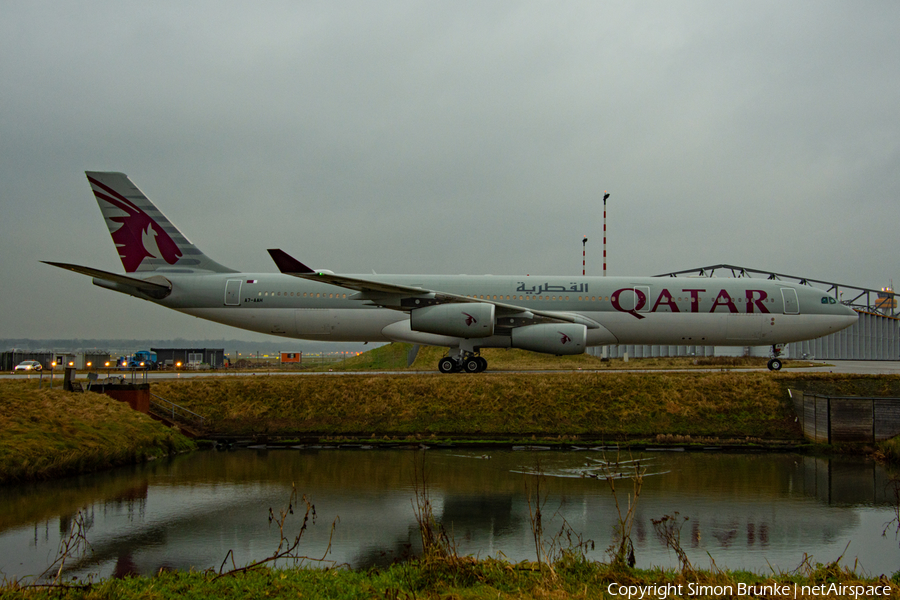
876	336
82	359
190	358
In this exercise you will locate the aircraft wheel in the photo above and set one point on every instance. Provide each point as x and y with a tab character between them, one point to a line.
482	364
446	365
774	364
472	365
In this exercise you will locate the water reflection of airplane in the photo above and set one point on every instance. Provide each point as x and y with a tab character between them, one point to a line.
17	505
199	530
554	315
190	516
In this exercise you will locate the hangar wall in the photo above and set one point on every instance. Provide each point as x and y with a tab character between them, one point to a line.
874	337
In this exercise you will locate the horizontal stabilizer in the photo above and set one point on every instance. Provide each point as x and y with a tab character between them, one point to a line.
149	288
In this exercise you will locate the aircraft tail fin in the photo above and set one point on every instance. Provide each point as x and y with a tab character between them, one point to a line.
145	238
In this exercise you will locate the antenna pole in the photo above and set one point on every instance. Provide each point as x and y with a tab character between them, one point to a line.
583	244
605	196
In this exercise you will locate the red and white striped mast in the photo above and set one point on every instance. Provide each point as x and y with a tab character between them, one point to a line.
605	196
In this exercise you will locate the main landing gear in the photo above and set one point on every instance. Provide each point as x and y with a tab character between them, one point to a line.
774	363
468	362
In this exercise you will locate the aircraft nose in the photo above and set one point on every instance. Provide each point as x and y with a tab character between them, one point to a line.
849	317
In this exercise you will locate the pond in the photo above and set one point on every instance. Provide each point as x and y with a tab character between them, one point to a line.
745	511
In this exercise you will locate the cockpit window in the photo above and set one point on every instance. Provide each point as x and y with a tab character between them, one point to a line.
827	300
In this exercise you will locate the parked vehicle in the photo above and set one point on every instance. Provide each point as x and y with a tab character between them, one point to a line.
29	365
142	360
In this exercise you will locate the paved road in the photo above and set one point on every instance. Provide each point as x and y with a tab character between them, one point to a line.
864	367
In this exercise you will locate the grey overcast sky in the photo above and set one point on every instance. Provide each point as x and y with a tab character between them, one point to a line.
446	137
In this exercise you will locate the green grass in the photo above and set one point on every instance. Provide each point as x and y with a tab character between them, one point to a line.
889	450
50	432
465	579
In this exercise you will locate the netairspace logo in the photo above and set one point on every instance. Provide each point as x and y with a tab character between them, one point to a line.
690	590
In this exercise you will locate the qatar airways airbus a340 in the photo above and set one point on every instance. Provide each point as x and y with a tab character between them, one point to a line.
555	315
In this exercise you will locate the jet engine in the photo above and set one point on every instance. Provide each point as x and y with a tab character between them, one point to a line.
551	338
465	320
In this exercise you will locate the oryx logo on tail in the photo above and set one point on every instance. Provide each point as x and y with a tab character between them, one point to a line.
138	236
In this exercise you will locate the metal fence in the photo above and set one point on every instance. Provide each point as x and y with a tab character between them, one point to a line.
832	419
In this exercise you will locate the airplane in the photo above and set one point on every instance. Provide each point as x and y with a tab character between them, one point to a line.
561	315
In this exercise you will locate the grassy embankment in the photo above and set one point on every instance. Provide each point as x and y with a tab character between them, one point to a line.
50	432
469	579
596	406
681	407
46	433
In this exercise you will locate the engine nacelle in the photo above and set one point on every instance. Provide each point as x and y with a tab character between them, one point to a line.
551	338
465	320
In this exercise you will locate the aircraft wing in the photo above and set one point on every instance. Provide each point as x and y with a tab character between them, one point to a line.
289	265
397	296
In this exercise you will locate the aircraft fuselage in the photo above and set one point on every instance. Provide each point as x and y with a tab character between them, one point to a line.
648	310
